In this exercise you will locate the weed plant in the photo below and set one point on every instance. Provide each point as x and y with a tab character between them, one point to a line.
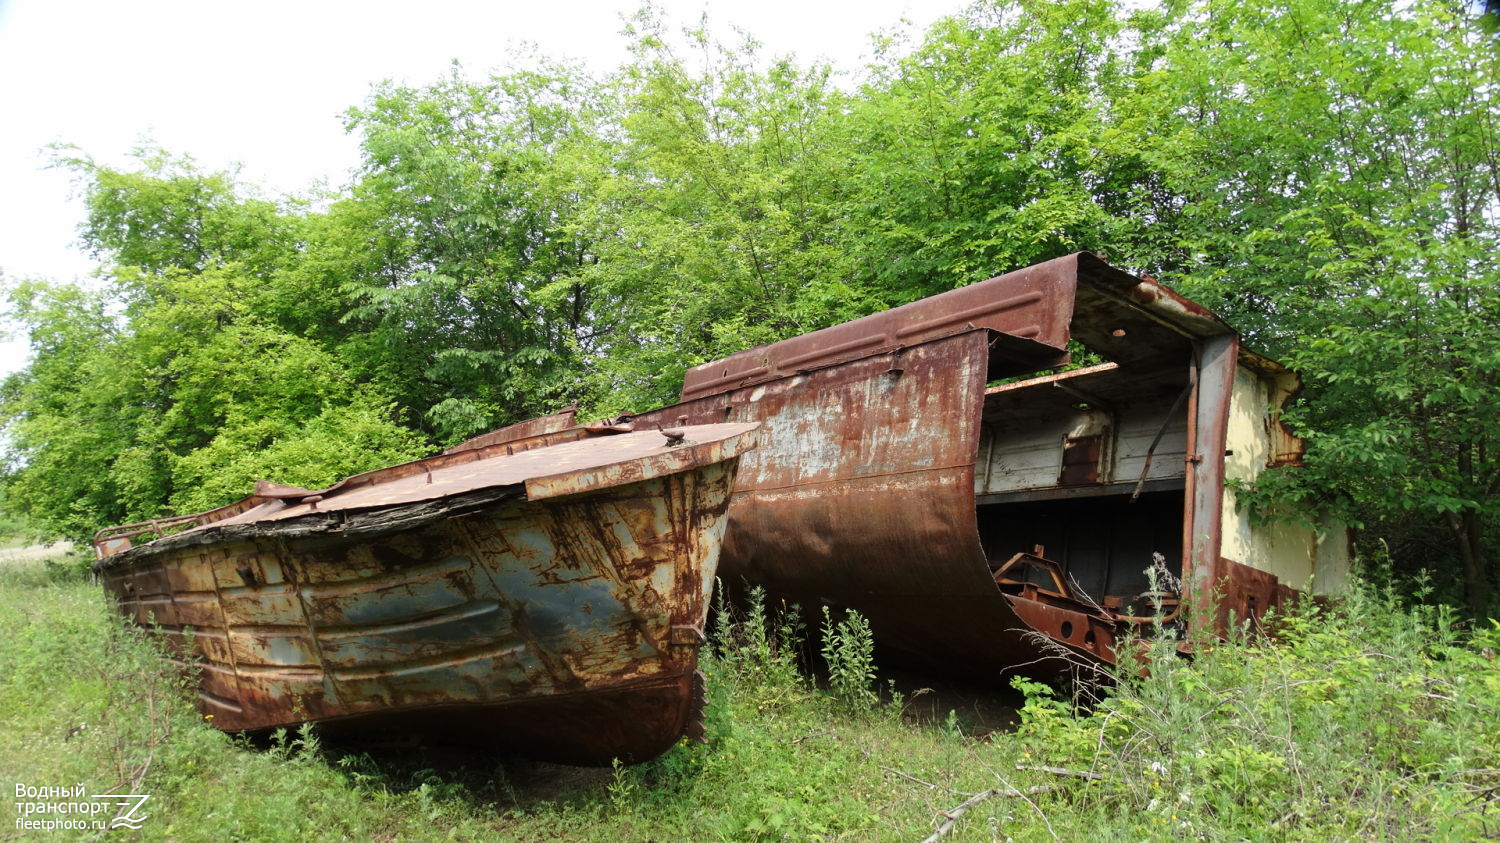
849	654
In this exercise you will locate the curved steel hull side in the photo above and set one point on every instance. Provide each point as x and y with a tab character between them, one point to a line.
567	628
904	552
861	495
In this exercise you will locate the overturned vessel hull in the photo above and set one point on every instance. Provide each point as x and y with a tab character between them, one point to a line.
542	593
947	469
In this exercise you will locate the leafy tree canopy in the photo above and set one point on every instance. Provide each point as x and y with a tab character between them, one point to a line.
1325	174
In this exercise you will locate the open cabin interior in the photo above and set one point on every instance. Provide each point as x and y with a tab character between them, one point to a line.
1090	466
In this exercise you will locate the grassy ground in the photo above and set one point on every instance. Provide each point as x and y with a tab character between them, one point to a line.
1370	723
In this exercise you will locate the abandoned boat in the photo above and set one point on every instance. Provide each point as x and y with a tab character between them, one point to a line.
540	590
946	469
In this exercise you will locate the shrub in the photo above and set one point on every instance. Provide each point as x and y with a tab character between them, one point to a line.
849	653
1370	720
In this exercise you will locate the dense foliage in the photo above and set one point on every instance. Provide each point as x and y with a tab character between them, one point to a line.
1325	174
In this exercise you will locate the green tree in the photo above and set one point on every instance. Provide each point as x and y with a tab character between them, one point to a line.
1338	176
983	149
726	203
169	215
169	383
468	239
71	412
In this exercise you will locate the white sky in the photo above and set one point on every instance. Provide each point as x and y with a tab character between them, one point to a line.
264	85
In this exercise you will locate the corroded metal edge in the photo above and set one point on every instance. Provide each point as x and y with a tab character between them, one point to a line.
539	426
585	462
1030	307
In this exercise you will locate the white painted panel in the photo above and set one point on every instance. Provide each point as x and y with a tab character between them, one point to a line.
1021	447
1304	556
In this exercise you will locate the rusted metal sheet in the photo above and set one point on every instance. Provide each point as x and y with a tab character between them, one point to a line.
862	495
897	482
528	429
549	602
1286	448
1028	310
1213	367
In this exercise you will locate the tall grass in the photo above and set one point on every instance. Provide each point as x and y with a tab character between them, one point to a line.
1370	721
1364	721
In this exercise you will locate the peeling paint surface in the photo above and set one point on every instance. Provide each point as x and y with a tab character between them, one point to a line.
549	626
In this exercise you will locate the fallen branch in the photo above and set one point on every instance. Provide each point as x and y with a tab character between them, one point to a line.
953	814
1062	771
917	780
140	772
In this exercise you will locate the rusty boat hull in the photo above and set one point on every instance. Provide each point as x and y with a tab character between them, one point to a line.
543	594
948	470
